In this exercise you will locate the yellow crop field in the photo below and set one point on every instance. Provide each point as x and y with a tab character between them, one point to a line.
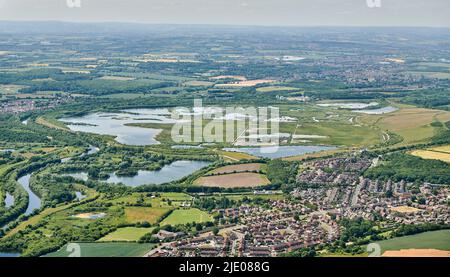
404	209
432	155
445	149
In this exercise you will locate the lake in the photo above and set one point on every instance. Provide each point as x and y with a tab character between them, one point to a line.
349	105
187	146
9	200
173	172
388	109
34	201
280	151
91	150
9	255
115	124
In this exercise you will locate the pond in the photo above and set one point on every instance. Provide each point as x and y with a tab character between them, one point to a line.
83	176
173	172
91	150
280	151
34	201
80	196
9	200
115	124
65	160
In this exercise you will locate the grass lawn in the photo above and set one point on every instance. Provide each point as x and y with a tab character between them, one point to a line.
276	88
236	168
157	202
198	84
338	133
110	249
127	234
240	196
176	196
235	156
428	240
412	124
186	216
140	214
343	255
51	123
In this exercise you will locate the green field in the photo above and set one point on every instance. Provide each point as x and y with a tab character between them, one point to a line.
276	88
111	249
141	214
240	196
126	234
428	240
186	216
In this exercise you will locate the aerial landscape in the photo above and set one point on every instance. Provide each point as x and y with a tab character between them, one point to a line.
140	140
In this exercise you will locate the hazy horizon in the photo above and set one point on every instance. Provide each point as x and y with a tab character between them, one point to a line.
295	13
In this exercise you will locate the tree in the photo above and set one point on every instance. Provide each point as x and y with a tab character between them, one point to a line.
140	200
198	227
215	231
389	194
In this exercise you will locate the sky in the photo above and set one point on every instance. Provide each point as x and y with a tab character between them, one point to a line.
433	13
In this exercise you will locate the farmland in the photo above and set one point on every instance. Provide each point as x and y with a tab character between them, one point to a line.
233	180
413	125
126	234
235	176
90	152
237	168
111	249
182	216
235	156
140	214
433	155
430	240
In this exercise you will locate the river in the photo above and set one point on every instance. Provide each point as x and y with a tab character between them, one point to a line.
34	201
